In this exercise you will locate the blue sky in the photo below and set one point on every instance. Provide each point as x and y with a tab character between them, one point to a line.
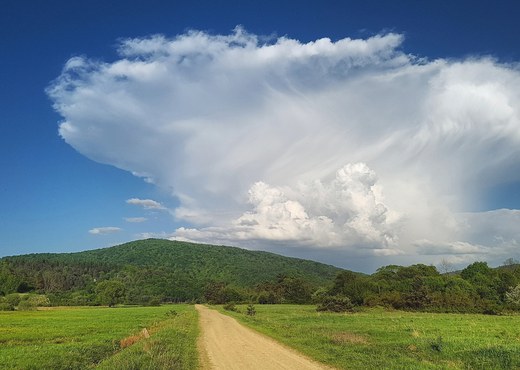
52	192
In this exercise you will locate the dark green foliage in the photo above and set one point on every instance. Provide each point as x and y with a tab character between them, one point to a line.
336	303
13	299
26	305
110	292
154	301
478	288
268	297
24	287
230	307
251	310
220	293
437	345
4	306
170	271
160	271
353	285
319	295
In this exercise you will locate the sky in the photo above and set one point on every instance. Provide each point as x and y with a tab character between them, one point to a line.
355	133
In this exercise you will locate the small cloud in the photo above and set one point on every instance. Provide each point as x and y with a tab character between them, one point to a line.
155	235
104	230
427	247
145	203
135	219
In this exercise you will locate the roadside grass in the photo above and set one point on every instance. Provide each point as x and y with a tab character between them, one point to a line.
380	339
172	345
79	338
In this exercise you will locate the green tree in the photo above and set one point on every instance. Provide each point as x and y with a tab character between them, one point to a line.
352	285
513	296
110	292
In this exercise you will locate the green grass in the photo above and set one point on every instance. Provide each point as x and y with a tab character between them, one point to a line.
172	345
79	338
379	339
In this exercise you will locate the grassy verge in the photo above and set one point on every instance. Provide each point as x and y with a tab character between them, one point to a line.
79	338
392	340
172	345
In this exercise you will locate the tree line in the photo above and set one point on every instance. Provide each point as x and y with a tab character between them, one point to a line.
153	271
476	289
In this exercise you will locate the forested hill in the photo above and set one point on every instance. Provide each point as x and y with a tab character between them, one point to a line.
156	268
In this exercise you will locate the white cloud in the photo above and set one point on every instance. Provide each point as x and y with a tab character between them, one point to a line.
344	212
297	143
135	219
104	230
450	248
145	203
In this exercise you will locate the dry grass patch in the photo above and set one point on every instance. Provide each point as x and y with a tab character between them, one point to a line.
345	337
128	341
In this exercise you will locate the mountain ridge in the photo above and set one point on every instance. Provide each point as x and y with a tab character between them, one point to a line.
156	267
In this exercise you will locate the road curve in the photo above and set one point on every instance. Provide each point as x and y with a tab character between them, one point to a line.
227	345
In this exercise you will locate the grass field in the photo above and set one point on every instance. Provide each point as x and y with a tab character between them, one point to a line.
380	339
79	338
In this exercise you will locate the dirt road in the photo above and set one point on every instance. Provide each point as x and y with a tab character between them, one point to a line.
228	345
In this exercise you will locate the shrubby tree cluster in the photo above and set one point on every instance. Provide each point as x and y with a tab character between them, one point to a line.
23	301
477	288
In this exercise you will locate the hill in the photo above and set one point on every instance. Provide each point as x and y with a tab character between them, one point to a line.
170	270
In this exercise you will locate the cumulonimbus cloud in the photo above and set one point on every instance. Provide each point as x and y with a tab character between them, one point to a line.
349	144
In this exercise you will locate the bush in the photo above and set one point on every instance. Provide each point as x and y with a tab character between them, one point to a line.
513	296
4	306
336	303
391	299
230	307
39	300
268	298
13	299
154	301
251	311
319	295
437	344
26	305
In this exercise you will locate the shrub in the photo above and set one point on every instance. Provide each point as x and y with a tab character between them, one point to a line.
39	300
319	295
268	298
251	311
26	305
110	292
437	344
513	296
4	306
335	303
154	301
230	307
13	299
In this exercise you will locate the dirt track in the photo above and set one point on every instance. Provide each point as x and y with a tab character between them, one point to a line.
228	345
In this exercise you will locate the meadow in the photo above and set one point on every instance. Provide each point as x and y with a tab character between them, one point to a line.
111	338
79	338
380	339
